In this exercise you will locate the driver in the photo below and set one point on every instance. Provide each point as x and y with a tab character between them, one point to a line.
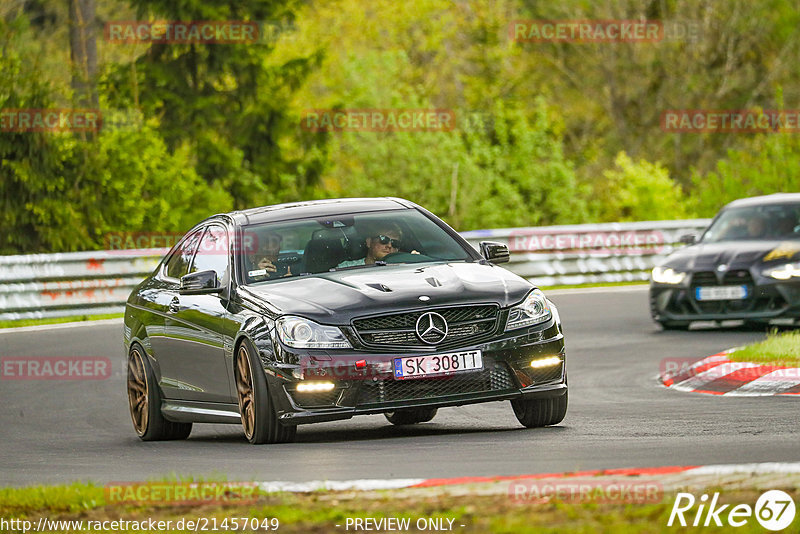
385	240
756	227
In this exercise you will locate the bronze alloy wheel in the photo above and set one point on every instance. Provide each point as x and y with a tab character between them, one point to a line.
244	388
137	391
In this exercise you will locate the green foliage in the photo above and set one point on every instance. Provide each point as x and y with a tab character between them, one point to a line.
639	191
548	133
63	192
778	349
497	169
769	163
225	105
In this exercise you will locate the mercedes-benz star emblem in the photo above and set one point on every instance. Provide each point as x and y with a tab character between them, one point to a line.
431	328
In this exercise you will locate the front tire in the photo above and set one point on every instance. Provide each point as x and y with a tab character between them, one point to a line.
410	416
144	402
259	420
535	413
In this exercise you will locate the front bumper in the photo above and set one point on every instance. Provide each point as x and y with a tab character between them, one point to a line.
507	375
766	300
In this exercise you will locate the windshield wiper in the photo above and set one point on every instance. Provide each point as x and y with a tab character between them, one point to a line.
378	263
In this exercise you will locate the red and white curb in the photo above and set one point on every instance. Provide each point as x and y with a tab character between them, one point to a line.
718	375
403	483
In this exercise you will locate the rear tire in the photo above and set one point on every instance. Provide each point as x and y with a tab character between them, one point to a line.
144	402
535	413
411	416
259	420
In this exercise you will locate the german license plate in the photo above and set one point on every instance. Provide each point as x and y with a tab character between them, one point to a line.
721	293
437	364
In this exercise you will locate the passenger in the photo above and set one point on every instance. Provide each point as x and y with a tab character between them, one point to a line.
786	227
264	263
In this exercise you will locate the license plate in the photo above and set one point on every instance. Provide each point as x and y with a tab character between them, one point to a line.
437	364
721	293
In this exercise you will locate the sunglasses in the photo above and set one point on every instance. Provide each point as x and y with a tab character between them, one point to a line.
385	240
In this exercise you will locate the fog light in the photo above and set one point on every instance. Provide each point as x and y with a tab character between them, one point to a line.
315	386
545	362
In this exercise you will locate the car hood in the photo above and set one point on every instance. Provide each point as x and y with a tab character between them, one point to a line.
734	254
339	296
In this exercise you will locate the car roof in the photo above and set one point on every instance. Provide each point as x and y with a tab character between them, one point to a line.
317	208
765	200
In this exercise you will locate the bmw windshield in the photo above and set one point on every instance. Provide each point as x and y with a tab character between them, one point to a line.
770	222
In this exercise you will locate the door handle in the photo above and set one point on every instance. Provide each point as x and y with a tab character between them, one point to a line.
174	305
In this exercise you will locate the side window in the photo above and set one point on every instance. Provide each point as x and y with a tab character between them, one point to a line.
212	254
178	264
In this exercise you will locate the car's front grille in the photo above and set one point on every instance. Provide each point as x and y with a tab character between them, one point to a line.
704	278
465	323
738	277
734	277
495	376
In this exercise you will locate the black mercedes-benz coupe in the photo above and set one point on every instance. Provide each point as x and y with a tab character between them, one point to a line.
318	311
745	266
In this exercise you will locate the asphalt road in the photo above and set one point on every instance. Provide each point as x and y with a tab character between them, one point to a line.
58	431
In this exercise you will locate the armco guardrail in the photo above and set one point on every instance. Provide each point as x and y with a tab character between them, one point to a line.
589	253
79	283
71	283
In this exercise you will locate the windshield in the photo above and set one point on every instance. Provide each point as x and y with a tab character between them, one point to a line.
281	250
772	222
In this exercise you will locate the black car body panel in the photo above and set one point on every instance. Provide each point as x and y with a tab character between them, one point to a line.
191	339
735	263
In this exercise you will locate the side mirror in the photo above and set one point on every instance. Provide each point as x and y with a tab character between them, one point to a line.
199	283
494	252
689	239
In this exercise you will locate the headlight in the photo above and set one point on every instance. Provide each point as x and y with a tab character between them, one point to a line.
304	334
534	310
783	272
667	275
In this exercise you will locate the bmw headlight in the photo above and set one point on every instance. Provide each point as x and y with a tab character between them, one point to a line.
667	275
534	310
784	272
301	333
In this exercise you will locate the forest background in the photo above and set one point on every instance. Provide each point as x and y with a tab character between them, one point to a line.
546	132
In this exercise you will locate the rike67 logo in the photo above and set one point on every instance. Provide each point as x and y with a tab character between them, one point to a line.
774	510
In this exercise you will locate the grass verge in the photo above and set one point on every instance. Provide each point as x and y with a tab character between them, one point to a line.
329	511
59	320
599	284
778	349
